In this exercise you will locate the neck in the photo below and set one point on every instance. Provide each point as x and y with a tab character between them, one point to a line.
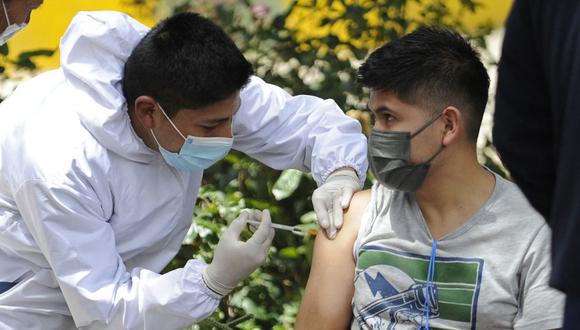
453	192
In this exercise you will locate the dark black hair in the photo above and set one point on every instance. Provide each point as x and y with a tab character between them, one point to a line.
434	68
185	61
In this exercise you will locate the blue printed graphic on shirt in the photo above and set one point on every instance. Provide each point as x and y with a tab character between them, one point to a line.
391	290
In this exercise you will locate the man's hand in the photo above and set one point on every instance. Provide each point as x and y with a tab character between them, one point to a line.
235	260
332	197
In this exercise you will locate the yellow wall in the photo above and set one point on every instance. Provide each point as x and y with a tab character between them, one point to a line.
49	22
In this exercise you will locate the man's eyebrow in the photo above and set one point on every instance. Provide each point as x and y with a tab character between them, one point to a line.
381	108
222	119
216	120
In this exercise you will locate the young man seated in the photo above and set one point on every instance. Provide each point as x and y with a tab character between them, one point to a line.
439	241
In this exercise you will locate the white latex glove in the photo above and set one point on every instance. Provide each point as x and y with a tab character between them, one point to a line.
235	260
332	197
253	215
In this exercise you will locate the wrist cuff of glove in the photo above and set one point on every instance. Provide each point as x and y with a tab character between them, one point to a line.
346	173
215	286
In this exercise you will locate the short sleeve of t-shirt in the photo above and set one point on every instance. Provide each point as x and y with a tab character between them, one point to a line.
540	306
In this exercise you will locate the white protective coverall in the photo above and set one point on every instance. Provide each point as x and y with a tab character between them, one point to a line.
89	215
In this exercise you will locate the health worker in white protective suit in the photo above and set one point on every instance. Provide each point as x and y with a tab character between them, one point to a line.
101	161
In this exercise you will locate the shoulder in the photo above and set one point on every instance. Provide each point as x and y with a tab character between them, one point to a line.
514	211
256	88
359	203
347	235
354	213
64	153
511	200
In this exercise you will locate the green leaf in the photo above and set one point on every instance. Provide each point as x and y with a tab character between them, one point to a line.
24	60
34	53
239	320
290	253
286	184
309	217
4	49
210	323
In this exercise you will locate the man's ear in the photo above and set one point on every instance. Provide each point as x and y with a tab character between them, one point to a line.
147	111
454	125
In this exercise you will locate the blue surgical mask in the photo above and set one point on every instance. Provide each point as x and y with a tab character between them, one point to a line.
197	153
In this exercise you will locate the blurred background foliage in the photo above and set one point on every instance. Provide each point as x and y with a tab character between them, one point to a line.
307	47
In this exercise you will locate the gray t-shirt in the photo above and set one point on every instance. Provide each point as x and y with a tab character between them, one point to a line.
490	273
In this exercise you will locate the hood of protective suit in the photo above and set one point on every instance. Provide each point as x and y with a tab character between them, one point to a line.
94	50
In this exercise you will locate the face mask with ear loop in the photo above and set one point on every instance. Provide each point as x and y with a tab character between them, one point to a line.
389	155
196	153
11	29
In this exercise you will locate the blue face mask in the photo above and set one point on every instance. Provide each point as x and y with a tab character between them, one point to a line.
197	153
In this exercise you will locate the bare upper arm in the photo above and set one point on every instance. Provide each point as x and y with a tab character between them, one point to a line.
327	299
